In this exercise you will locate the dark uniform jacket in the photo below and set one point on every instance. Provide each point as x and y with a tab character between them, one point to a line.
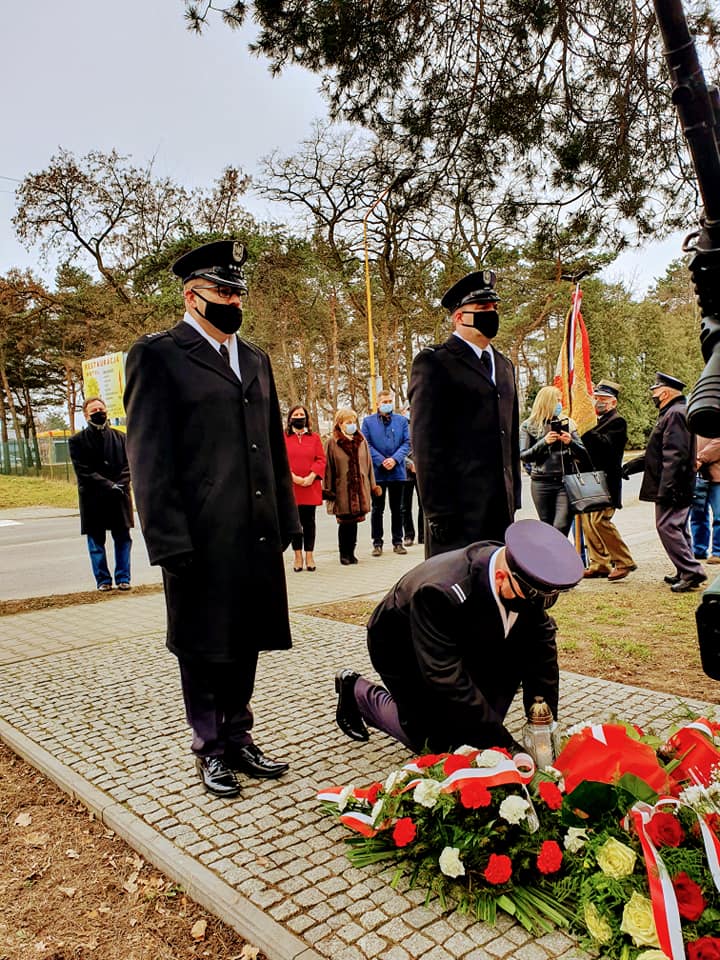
437	640
605	444
669	459
465	438
211	477
100	460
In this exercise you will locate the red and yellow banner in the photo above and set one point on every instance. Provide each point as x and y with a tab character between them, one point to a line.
572	373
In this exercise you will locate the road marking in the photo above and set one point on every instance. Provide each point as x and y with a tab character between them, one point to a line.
10	523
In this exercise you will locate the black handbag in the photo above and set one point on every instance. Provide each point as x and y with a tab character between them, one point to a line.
587	491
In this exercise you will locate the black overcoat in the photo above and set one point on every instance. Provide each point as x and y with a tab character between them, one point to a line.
211	477
100	460
605	444
465	437
437	640
668	463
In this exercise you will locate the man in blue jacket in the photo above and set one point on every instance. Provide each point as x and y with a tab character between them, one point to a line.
388	436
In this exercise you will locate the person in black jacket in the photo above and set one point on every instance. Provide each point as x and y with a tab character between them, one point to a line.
608	553
216	504
101	465
668	467
455	638
464	424
551	444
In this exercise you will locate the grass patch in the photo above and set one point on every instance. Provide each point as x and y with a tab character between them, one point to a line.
37	492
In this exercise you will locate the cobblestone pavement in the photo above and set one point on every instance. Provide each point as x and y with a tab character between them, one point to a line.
90	695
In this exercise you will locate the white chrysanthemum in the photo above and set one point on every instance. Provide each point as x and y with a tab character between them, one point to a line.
376	811
576	728
465	750
394	779
450	862
552	772
488	758
514	809
344	796
575	839
426	793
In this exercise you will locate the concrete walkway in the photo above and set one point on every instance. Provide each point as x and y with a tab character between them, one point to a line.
91	697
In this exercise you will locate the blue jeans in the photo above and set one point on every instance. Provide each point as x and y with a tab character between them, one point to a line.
98	557
705	498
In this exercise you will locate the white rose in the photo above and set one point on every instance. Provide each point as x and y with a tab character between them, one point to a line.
575	839
514	809
450	862
344	796
376	811
465	750
488	758
426	793
576	728
394	778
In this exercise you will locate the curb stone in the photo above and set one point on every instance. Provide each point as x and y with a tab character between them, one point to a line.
200	884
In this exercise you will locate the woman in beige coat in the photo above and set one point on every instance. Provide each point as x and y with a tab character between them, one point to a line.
349	480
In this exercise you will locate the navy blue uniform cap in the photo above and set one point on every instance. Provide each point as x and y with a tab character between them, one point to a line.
541	557
219	262
665	380
477	287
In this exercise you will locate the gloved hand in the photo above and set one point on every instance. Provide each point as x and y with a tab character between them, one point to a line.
178	565
624	473
440	530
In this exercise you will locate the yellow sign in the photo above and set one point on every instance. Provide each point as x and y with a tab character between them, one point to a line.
104	377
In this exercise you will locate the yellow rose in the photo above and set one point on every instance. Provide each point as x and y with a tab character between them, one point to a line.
598	928
615	859
651	955
638	922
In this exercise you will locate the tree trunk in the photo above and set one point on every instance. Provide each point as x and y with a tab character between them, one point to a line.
19	446
4	436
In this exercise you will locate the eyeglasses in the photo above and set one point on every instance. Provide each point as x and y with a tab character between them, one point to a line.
225	293
536	597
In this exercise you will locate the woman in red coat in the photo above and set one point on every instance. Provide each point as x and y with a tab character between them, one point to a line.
307	465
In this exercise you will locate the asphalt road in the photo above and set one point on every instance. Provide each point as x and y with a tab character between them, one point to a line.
43	553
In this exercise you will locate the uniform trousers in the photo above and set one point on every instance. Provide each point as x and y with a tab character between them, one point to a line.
672	527
605	546
217	703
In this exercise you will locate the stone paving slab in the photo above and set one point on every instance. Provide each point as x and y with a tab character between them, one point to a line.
110	715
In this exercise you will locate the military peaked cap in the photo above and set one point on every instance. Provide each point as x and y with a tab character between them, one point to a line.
477	287
606	388
541	557
219	262
665	380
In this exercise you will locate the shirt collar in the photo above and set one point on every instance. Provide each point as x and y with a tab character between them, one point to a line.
508	617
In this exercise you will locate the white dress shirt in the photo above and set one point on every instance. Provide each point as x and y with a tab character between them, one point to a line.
230	343
478	351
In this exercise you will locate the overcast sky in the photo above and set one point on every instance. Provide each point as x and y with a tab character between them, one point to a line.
102	74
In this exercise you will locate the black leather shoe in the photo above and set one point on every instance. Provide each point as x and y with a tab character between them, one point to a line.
347	714
251	760
685	584
671	580
217	777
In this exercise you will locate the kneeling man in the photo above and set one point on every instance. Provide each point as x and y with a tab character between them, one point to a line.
455	638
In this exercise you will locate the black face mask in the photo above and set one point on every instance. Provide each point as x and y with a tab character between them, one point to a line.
226	317
298	423
99	418
657	401
542	601
486	322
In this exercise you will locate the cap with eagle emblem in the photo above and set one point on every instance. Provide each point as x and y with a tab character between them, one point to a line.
219	262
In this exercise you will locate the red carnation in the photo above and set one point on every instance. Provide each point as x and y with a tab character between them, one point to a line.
550	857
372	792
706	948
713	821
429	760
689	897
665	831
550	793
404	832
455	762
499	869
474	794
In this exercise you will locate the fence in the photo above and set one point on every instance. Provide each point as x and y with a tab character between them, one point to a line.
49	458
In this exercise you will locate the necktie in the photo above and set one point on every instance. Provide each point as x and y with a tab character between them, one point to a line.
225	354
487	363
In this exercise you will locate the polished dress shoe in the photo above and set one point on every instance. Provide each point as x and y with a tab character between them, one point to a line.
345	561
347	714
399	548
377	551
620	572
671	580
217	777
685	584
251	760
592	572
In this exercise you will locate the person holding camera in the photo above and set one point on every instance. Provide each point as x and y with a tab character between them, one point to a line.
550	443
103	475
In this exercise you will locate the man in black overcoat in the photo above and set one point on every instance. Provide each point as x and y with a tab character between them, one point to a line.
215	499
101	465
465	425
668	467
455	638
608	553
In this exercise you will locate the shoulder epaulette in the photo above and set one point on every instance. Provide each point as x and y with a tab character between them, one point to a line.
154	336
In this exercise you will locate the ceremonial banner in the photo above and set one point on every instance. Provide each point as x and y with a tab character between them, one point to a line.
572	374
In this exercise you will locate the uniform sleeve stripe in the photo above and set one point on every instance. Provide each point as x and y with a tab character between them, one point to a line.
459	592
